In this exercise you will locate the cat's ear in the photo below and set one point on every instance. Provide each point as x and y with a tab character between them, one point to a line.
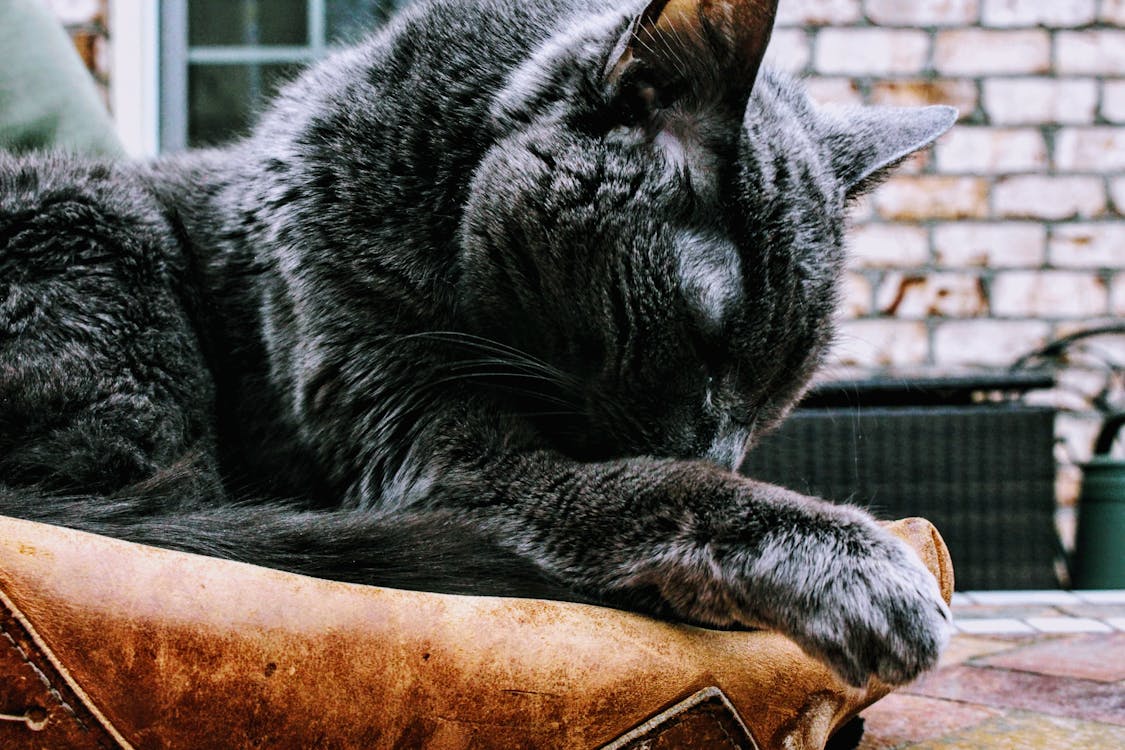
697	52
865	143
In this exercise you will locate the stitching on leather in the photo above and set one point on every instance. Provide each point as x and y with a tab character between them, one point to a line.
44	679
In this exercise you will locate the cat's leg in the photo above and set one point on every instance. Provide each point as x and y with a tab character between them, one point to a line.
102	383
693	541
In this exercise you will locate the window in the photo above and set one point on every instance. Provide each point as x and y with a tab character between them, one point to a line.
221	59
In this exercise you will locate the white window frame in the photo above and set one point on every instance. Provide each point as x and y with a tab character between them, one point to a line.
134	84
176	54
150	55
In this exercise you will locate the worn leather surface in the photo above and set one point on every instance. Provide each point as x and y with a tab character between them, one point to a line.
112	645
706	719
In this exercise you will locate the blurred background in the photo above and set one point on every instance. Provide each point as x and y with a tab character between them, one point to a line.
966	367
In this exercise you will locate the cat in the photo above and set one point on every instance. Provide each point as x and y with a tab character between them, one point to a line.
494	302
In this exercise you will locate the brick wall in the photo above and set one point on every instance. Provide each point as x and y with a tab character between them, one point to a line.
1011	230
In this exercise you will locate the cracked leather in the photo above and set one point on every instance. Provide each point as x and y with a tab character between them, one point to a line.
105	644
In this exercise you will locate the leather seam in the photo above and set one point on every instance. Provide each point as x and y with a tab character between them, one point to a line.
9	608
51	689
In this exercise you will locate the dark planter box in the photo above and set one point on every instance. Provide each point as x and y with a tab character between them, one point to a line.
964	453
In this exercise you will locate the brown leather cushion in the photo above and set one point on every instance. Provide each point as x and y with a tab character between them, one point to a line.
105	644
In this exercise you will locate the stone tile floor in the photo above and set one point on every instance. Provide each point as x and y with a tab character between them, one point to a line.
1035	670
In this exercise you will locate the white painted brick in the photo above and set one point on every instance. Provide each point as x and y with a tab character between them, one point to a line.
881	343
888	246
871	51
1113	12
985	52
922	197
818	12
856	296
1078	355
1007	244
955	92
1068	486
1026	101
993	343
1117	191
1085	382
991	150
917	296
861	210
1048	294
1090	150
834	91
1045	197
1113	101
1053	13
1097	52
1078	432
916	163
789	50
923	13
1099	245
1117	296
1075	388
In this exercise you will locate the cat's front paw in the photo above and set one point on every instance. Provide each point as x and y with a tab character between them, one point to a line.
871	609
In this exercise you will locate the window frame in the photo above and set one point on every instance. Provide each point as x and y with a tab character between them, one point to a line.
134	85
176	55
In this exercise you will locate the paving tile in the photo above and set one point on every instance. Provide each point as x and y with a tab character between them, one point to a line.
990	625
1087	657
1097	611
962	648
1008	598
960	600
1068	625
1020	731
1001	688
900	718
1101	597
1017	611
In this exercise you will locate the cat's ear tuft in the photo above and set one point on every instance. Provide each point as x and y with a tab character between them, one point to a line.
865	143
697	52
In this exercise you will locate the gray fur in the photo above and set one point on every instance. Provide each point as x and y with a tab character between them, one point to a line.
464	314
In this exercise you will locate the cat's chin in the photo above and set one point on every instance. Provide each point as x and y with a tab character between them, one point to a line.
728	449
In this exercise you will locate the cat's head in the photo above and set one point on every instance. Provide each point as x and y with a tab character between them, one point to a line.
664	225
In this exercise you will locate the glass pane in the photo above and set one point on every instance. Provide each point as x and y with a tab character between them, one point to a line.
247	22
349	20
223	99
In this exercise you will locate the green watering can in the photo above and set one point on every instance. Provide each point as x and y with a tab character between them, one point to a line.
1100	546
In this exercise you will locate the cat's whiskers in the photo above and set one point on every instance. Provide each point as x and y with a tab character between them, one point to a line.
490	377
492	345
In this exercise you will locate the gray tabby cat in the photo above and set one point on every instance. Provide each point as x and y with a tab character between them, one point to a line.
494	303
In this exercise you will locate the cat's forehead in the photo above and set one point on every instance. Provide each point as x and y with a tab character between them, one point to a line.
709	270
